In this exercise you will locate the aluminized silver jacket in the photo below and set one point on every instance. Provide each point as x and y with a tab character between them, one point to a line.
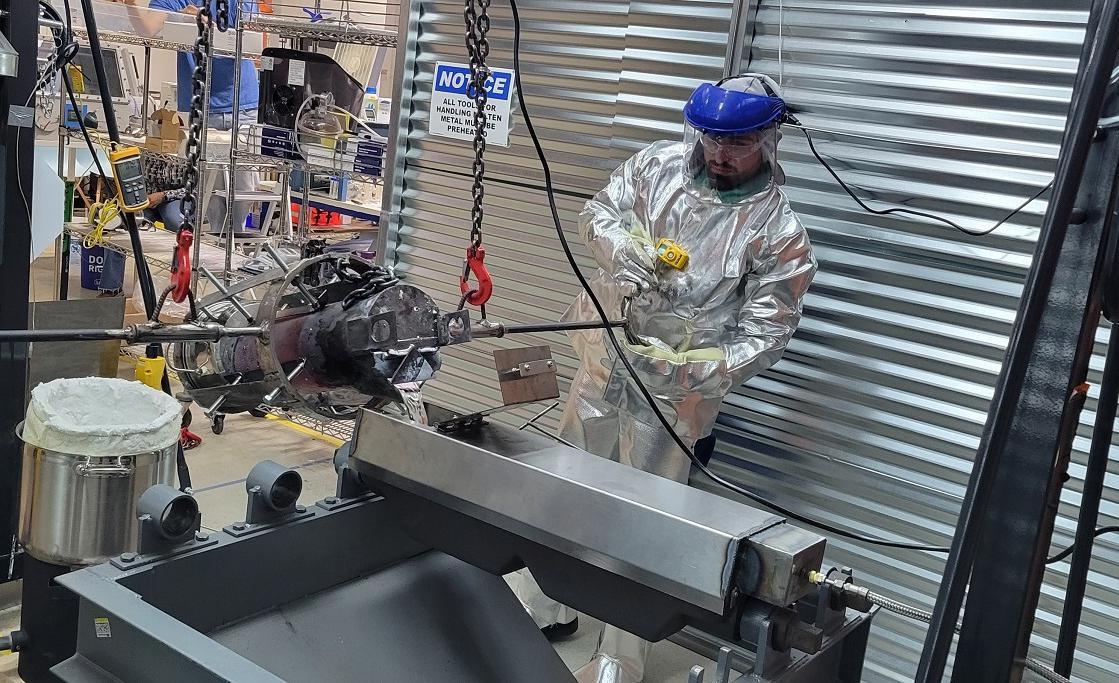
749	268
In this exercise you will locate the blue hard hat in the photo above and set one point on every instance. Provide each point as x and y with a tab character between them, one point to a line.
718	111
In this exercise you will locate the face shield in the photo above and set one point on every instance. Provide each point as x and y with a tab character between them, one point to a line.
729	168
730	139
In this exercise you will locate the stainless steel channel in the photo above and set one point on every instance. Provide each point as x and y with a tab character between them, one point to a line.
675	539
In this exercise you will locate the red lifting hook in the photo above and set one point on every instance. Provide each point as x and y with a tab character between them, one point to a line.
180	267
475	296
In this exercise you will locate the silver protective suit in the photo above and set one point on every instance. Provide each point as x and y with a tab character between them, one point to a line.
735	306
750	264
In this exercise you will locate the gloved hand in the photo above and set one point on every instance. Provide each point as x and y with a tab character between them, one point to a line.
657	353
674	357
670	373
634	259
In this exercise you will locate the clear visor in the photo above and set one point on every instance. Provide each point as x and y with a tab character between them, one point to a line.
729	168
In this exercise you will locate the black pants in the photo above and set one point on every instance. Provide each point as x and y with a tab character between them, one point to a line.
705	448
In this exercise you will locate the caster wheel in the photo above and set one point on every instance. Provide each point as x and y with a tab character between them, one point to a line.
218	425
257	412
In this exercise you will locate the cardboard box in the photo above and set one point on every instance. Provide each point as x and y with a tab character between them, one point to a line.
165	131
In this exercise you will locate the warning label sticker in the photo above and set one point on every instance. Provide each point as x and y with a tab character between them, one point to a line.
452	108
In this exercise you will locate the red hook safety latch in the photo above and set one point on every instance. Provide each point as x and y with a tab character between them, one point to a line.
180	266
475	295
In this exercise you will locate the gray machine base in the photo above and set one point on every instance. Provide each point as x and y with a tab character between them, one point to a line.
431	618
340	595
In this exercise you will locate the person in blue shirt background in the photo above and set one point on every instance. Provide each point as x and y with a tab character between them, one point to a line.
220	114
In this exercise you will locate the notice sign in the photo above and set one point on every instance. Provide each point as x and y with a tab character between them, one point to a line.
452	109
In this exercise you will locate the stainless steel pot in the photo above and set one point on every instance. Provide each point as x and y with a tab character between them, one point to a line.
77	509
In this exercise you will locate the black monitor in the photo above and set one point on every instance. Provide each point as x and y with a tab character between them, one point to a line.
111	57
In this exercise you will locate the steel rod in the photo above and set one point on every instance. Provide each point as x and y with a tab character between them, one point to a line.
235	120
135	334
500	330
231	298
209	412
312	300
147	91
275	393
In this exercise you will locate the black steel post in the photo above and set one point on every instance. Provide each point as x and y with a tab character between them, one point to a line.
1089	507
143	275
19	22
1013	419
48	621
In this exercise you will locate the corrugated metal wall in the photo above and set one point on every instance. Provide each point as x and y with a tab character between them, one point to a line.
602	79
872	418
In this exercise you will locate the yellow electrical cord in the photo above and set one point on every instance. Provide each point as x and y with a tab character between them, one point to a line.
99	216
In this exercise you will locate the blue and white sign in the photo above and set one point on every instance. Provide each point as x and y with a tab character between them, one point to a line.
452	110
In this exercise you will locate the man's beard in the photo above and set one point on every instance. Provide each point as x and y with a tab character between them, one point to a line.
725	182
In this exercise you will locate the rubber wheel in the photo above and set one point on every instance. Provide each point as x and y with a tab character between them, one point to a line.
257	412
218	424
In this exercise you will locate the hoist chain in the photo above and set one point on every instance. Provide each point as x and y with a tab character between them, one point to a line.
194	117
476	13
223	15
179	287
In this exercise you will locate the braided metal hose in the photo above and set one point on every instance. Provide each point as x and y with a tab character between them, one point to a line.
868	596
898	607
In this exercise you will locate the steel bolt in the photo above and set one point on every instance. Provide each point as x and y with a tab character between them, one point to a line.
300	508
331	500
200	537
239	526
128	557
381	331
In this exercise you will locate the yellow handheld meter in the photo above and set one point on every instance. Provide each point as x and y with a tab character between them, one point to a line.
77	78
672	254
132	189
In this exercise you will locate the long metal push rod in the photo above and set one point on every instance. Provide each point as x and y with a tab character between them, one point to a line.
500	330
136	334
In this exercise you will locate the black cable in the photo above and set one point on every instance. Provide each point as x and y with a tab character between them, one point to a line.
1068	551
609	332
85	132
66	49
911	212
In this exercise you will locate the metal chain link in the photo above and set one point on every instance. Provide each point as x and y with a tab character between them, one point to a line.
194	118
223	15
476	14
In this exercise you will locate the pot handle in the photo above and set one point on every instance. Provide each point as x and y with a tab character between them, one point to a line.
121	466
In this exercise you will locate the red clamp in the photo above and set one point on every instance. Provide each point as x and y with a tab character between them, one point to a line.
480	294
188	439
180	266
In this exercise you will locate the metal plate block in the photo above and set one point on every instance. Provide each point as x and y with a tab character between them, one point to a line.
526	375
